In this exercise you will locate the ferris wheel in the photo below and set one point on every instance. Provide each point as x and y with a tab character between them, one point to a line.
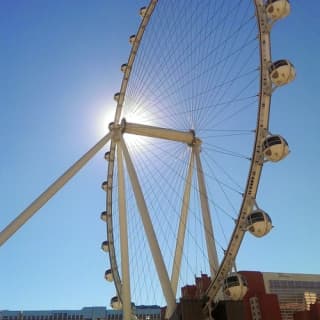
187	145
196	94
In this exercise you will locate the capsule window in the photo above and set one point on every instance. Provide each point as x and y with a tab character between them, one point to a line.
271	141
232	281
271	1
256	217
278	64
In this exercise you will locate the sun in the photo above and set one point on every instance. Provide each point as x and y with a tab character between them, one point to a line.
138	116
105	116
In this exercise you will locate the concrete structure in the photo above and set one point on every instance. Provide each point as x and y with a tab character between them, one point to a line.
87	313
276	296
258	303
193	299
142	313
312	314
280	295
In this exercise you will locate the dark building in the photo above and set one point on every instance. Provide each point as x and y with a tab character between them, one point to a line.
312	314
293	292
259	304
275	296
270	296
193	299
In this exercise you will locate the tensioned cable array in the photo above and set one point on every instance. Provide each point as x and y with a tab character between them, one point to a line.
196	68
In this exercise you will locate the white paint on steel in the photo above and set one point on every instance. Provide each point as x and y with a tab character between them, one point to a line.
50	192
156	132
109	224
125	293
132	56
206	216
125	79
256	164
182	227
257	158
150	233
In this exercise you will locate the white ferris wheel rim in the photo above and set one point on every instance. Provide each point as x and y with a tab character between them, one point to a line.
256	164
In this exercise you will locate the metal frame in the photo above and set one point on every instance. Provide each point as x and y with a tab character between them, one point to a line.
182	227
26	214
150	233
206	217
257	158
115	134
227	263
125	79
169	288
125	293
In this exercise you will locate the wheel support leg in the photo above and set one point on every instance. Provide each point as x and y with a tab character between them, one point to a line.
207	223
25	215
125	293
150	233
182	227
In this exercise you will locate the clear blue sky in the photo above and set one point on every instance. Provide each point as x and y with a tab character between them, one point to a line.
59	69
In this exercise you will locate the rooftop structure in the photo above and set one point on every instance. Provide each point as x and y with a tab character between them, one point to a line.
277	296
86	313
296	292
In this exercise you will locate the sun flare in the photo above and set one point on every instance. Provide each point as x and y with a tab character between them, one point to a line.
134	115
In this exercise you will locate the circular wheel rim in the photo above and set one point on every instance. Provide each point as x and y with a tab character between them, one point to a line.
253	178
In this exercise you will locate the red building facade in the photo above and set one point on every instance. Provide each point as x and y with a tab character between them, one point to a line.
258	304
270	296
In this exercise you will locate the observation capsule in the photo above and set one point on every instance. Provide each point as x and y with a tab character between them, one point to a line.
103	216
108	275
142	11
124	67
107	156
259	223
104	185
275	148
235	286
132	39
282	72
105	246
277	9
115	303
116	96
111	126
